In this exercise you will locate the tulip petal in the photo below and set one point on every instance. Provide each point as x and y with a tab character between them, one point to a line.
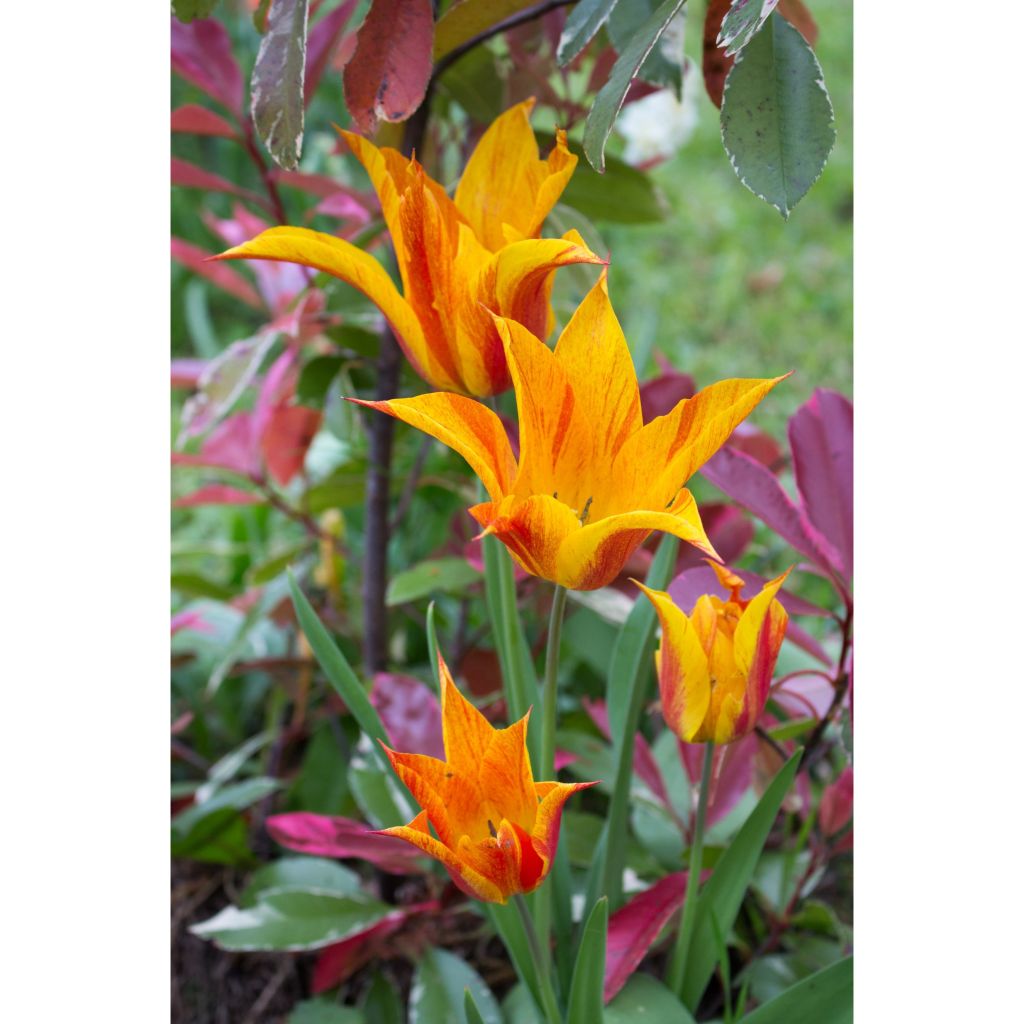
662	456
506	183
351	265
594	556
469	881
465	426
497	858
683	677
549	816
533	530
506	780
759	635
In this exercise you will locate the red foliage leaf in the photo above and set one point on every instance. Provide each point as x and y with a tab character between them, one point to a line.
410	712
323	836
758	445
220	274
662	394
320	45
756	489
201	54
193	620
218	494
729	531
231	445
197	120
287	439
633	928
386	79
837	804
821	436
644	765
800	18
732	774
190	176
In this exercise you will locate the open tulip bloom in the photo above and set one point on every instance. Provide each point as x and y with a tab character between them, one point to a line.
715	665
592	481
457	258
497	829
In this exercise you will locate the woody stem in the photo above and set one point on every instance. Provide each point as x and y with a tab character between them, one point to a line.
547	992
677	964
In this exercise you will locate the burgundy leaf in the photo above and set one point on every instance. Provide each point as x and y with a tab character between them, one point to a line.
232	445
756	489
633	928
220	274
197	120
320	45
728	529
700	580
386	79
758	445
323	836
805	696
190	176
645	767
660	395
821	436
201	54
218	494
836	807
410	712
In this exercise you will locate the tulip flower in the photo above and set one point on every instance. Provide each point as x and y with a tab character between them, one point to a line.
715	665
592	481
497	829
457	258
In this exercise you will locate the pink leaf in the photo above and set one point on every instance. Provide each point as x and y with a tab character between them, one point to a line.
185	373
223	276
693	583
323	836
633	928
644	765
386	79
321	43
758	445
232	445
410	713
201	54
729	531
821	436
342	206
197	120
287	439
836	807
218	494
190	620
757	490
805	696
733	772
189	175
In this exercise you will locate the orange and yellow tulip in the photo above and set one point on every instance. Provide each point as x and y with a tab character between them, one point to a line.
457	258
715	665
592	481
497	829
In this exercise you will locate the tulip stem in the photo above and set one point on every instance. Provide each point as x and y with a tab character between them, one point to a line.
542	968
547	741
677	964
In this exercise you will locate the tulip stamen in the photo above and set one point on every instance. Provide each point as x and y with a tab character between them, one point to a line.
586	510
494	831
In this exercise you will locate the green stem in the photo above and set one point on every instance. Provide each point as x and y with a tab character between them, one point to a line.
547	992
683	936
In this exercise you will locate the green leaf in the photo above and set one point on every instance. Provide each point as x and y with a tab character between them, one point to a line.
382	1004
306	874
519	1007
212	831
277	82
628	678
777	121
438	991
432	647
469	18
826	997
664	64
645	999
507	923
741	21
189	10
609	100
322	784
272	567
315	378
472	1013
291	921
475	85
194	585
230	764
583	23
324	1011
450	575
723	895
340	675
586	994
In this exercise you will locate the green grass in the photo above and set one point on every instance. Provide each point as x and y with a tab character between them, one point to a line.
693	279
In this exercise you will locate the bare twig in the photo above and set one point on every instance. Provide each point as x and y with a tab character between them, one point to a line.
412	482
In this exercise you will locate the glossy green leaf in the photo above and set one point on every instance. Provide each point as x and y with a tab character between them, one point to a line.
303	874
230	764
324	1011
291	921
586	995
322	783
448	575
519	1007
315	378
723	894
189	10
472	1013
664	64
382	1004
197	828
609	100
826	997
508	925
643	998
220	837
777	121
582	24
278	78
438	991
